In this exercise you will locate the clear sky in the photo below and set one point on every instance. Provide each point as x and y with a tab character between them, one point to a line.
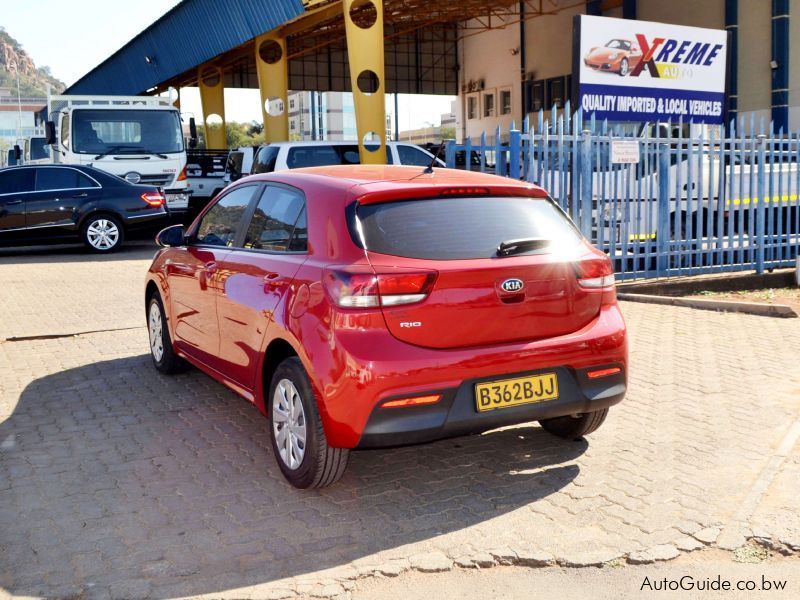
73	36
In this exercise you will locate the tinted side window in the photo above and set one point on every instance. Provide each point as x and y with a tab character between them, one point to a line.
221	223
409	155
275	219
264	161
53	178
16	180
85	182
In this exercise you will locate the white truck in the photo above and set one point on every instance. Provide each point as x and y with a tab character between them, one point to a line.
138	138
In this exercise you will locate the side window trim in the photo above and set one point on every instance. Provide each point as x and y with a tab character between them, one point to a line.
35	170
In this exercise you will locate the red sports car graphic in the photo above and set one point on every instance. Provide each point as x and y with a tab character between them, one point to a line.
617	56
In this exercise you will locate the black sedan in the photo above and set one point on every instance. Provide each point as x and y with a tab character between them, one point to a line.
61	203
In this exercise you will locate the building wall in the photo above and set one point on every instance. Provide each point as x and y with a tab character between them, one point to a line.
337	120
486	56
694	13
755	53
794	64
491	71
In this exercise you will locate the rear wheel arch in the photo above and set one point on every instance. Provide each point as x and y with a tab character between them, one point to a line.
277	351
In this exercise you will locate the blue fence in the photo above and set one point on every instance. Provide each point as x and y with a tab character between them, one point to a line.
666	199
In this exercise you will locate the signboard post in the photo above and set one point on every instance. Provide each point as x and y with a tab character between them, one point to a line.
627	70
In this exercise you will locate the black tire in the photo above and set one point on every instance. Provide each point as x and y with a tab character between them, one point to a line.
93	237
320	464
623	67
575	427
168	362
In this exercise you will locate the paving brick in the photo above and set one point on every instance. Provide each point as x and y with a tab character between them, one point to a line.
137	484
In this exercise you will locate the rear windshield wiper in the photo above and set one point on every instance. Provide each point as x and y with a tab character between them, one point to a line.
511	247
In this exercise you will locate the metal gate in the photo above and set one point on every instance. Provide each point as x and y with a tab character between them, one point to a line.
692	201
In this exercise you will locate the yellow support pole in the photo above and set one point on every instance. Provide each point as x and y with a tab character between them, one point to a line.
363	21
212	98
273	83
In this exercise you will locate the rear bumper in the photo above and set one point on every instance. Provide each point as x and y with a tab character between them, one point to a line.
369	367
456	413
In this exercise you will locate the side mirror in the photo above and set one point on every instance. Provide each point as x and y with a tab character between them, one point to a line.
192	133
17	152
171	236
50	132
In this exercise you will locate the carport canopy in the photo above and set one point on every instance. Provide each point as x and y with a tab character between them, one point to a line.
420	39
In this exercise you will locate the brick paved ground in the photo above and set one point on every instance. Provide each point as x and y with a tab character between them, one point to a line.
118	482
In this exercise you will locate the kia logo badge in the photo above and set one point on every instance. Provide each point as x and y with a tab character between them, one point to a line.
512	285
133	177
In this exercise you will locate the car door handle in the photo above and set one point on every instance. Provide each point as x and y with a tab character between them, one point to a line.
83	195
10	202
207	272
272	281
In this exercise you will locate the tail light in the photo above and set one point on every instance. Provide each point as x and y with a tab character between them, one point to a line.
182	174
595	272
154	199
363	287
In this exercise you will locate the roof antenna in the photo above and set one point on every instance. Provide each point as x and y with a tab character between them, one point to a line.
429	168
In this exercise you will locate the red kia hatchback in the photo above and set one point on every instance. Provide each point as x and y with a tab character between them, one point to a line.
363	307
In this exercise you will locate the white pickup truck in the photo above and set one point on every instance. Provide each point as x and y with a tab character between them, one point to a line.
138	138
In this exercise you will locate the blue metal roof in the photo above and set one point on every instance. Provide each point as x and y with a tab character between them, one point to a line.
192	33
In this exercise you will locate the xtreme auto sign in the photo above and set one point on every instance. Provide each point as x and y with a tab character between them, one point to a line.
628	70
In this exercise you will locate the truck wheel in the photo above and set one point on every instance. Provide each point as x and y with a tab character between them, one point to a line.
574	427
298	439
102	233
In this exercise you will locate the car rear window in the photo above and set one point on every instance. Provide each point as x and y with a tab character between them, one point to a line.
460	228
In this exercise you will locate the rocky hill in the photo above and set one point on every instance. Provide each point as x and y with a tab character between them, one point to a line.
33	81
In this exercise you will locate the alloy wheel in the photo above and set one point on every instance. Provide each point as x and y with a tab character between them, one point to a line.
155	326
102	234
289	424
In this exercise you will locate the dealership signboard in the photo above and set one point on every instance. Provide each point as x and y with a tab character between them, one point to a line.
628	70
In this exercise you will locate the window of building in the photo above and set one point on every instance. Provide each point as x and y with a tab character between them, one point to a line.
488	104
472	107
505	101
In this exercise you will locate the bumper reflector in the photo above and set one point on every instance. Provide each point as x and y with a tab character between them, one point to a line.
603	372
417	400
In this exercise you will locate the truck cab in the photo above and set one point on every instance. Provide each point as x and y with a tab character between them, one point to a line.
137	138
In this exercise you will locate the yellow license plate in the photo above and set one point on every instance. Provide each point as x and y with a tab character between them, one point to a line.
513	392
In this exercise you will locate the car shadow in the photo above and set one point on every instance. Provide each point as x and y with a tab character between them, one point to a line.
117	480
136	249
